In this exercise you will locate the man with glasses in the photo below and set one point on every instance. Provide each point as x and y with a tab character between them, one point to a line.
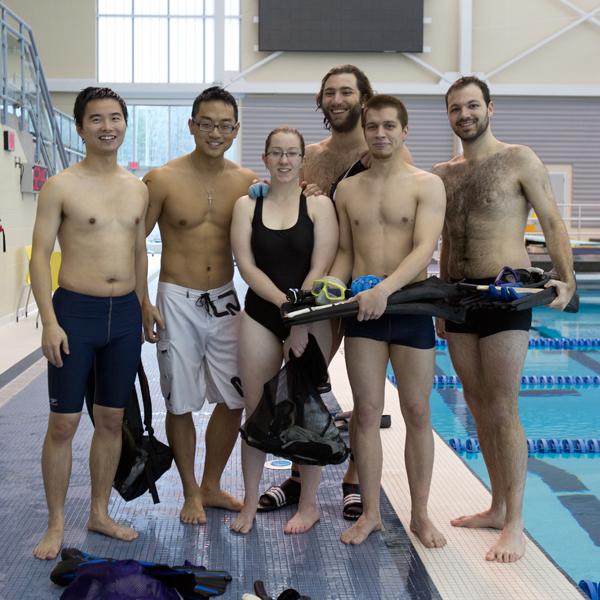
195	321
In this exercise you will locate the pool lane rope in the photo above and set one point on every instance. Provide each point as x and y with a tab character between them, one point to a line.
440	381
550	343
590	588
542	445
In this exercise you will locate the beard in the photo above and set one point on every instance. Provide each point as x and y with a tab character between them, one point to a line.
348	124
480	128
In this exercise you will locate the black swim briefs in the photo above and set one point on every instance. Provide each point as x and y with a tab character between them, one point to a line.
489	321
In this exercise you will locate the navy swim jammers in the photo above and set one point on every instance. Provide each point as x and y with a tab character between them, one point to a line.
414	331
105	331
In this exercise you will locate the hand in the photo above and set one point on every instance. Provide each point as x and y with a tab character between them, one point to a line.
258	189
564	293
311	189
440	327
371	303
298	339
151	316
54	339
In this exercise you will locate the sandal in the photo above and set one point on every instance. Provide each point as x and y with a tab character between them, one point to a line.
352	507
278	496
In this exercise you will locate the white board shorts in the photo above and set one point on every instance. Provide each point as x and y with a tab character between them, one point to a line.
197	350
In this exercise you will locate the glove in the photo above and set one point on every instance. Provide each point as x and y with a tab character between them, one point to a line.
503	292
256	190
365	282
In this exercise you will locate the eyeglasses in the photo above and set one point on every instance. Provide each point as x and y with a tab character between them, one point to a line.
209	126
279	154
330	289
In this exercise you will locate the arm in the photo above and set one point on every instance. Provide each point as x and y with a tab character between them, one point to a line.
429	220
47	223
153	321
440	324
344	258
536	185
141	255
241	231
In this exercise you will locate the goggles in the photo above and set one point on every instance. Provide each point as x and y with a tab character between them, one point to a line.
329	288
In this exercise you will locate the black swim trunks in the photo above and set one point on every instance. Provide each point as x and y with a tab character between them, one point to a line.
489	321
104	332
414	331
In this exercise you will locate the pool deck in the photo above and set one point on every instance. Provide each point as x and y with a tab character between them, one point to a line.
392	564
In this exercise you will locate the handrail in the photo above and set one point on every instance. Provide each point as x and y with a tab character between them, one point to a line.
34	108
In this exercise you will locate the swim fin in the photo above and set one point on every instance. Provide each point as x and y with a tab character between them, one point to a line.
189	580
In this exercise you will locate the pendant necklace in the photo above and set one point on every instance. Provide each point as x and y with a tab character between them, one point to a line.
209	193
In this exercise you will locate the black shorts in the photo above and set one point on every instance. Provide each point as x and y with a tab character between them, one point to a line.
414	331
489	321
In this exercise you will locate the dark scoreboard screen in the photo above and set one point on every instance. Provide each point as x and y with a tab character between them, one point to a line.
340	25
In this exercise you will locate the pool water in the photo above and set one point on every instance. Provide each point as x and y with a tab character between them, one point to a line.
562	494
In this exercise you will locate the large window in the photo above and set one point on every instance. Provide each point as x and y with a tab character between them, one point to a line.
167	41
157	134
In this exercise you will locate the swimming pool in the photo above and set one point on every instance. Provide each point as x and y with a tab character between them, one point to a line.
562	495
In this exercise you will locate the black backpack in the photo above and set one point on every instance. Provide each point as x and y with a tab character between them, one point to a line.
291	419
144	459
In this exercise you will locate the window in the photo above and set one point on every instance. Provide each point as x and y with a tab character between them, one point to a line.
157	134
166	41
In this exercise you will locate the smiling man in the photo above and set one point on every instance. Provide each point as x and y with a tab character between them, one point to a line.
197	312
392	236
491	188
96	210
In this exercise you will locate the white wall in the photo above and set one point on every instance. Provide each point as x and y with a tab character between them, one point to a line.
17	212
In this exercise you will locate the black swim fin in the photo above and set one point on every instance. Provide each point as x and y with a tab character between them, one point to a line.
189	580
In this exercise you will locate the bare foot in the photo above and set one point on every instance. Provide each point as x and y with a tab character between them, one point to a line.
244	521
192	511
220	499
303	520
427	533
49	545
361	530
106	526
509	548
487	518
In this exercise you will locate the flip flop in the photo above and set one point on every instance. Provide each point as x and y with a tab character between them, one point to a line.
352	507
278	496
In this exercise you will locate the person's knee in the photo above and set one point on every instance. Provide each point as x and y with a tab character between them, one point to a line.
367	415
503	415
108	421
416	415
61	428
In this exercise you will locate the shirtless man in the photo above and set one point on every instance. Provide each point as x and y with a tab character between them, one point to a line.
344	90
392	236
197	312
491	188
96	209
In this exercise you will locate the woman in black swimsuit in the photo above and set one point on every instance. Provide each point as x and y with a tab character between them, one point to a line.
283	241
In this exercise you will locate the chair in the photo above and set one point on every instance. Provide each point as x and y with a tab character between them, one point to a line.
25	287
55	260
